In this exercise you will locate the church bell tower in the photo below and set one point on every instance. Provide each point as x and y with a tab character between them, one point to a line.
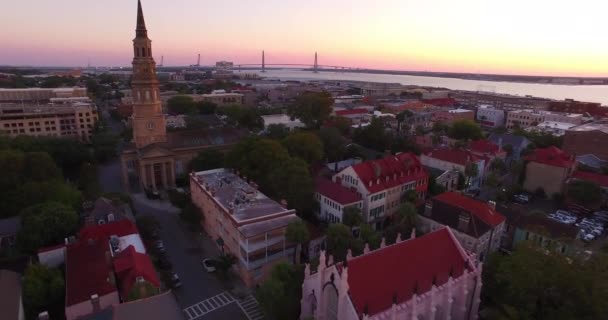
148	121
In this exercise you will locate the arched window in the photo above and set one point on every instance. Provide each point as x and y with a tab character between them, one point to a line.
331	302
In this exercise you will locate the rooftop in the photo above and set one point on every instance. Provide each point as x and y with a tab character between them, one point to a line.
599	179
399	270
389	172
358	111
552	156
458	156
279	118
103	232
484	146
595	126
336	192
129	265
243	202
88	271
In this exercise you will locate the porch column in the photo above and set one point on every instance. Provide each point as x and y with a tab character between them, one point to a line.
153	176
163	171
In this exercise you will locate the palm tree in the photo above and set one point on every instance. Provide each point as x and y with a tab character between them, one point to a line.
297	233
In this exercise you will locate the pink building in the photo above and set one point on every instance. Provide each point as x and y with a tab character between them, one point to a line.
430	277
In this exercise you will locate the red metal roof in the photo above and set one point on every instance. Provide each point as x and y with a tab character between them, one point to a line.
129	265
396	270
336	191
600	179
484	146
88	271
389	172
458	156
104	231
351	112
480	209
552	156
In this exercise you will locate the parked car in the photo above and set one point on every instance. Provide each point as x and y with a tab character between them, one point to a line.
209	265
522	198
175	281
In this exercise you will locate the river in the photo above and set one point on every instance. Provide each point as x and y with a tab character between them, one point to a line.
588	93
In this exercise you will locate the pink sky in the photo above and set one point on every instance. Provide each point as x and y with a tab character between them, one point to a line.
479	36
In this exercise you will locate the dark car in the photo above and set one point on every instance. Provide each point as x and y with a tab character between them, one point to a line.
522	198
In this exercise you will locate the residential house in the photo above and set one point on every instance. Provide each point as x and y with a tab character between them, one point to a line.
477	225
9	228
591	162
104	210
382	183
244	222
546	233
333	198
517	143
11	301
548	169
282	119
429	277
490	117
448	179
453	115
136	275
456	159
158	307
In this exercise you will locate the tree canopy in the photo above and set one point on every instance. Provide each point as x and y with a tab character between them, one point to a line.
334	144
584	192
352	216
181	105
312	108
207	160
43	290
46	224
280	294
465	130
304	145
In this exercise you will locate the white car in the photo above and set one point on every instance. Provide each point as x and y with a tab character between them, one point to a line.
209	265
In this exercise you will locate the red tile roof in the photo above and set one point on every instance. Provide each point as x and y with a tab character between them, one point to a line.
129	265
104	231
484	146
458	156
351	112
88	271
480	209
600	179
552	156
336	191
375	278
445	102
389	172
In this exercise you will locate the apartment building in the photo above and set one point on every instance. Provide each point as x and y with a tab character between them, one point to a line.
499	101
490	117
40	94
70	120
531	118
382	184
223	98
243	222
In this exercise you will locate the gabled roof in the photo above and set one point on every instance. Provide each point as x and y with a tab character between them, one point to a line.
483	217
552	156
396	271
103	232
600	179
129	265
336	192
389	172
88	271
457	156
484	146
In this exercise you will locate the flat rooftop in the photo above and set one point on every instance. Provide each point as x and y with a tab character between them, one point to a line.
599	126
243	201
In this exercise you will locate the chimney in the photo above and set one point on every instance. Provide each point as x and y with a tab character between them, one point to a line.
43	315
95	303
492	204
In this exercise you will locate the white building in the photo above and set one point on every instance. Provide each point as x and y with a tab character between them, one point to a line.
555	128
531	118
455	159
282	119
430	277
490	117
333	198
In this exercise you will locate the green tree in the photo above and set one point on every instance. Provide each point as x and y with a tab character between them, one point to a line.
192	215
492	180
434	187
374	136
291	181
297	233
206	107
584	192
508	149
471	171
312	108
369	236
304	145
334	144
498	166
407	215
46	224
351	216
277	131
141	290
257	158
465	130
88	181
342	124
207	160
147	225
339	238
181	105
281	293
404	116
43	290
410	196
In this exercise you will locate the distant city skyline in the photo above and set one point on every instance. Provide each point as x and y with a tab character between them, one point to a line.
474	36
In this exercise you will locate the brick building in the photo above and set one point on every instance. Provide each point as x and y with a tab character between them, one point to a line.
572	106
591	138
548	169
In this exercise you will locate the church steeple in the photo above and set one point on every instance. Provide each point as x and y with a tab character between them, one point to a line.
141	30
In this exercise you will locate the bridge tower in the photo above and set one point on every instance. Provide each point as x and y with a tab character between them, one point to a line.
263	62
315	67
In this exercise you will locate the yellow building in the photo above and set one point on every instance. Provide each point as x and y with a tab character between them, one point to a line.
40	94
75	120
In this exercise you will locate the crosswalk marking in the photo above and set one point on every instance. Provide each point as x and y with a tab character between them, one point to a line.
251	308
201	308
